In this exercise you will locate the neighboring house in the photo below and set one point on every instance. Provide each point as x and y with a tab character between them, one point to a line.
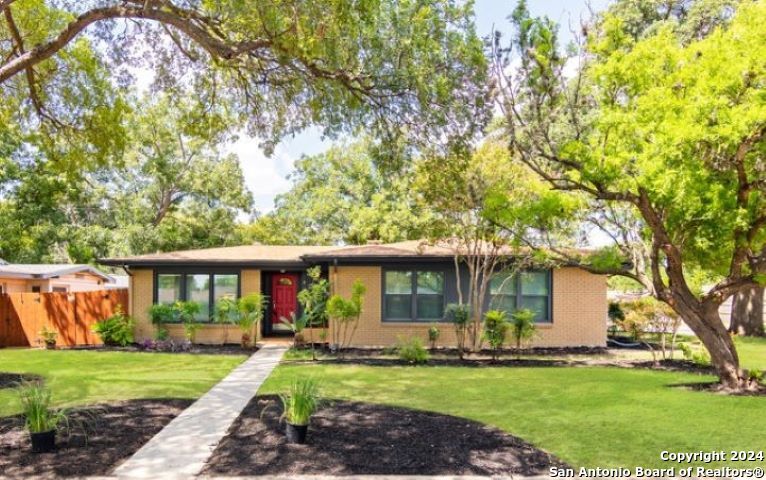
38	278
408	286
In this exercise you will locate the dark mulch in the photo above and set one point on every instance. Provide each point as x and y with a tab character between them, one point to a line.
100	438
454	362
675	365
229	349
12	380
452	352
358	438
754	390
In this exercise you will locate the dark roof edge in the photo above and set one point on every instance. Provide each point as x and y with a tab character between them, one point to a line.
116	262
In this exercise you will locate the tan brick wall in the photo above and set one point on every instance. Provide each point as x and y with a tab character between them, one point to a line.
579	311
141	297
250	281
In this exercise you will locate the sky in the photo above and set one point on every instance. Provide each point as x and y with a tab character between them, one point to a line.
266	177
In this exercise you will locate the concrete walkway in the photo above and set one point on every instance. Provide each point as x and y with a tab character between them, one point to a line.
181	449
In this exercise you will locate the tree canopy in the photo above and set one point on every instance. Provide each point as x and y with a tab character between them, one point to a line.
667	125
343	196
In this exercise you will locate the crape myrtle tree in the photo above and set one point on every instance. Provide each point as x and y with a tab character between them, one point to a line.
388	66
667	125
457	191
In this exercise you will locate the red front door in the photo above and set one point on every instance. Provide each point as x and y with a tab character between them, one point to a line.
284	298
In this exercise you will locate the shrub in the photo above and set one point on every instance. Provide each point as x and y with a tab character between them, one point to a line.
345	315
36	407
186	313
459	315
116	330
161	314
755	376
300	402
296	324
495	330
433	335
523	327
412	351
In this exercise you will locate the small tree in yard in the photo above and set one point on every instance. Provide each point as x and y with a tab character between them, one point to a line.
225	315
456	190
345	315
313	299
249	314
523	327
459	315
648	315
495	330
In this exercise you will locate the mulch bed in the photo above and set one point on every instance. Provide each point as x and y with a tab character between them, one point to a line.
715	387
12	380
100	438
357	438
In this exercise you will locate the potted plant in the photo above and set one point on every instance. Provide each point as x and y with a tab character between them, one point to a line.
39	419
299	404
49	338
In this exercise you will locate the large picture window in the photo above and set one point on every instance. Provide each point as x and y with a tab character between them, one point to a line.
526	290
413	295
204	288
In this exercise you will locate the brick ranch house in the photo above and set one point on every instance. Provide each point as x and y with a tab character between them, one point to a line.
408	286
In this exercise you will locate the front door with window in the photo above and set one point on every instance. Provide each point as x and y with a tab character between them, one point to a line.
284	299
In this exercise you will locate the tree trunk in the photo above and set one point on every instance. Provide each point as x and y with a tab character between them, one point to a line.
747	313
706	323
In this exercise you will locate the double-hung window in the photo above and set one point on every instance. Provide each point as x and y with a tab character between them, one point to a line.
413	295
206	289
530	290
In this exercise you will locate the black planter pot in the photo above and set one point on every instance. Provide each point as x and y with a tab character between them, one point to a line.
43	441
296	433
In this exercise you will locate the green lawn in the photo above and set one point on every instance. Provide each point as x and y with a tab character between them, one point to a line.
85	377
588	416
752	352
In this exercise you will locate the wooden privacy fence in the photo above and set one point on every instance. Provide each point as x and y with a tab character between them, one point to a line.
72	315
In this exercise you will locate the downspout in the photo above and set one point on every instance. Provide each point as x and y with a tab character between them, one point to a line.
130	289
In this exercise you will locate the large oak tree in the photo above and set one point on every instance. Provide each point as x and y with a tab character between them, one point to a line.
668	125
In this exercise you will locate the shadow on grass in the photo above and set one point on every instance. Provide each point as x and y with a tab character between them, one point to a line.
13	380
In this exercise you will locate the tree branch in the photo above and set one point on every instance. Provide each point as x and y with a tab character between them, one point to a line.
185	21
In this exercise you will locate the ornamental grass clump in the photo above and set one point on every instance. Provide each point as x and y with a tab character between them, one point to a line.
301	401
40	420
299	404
